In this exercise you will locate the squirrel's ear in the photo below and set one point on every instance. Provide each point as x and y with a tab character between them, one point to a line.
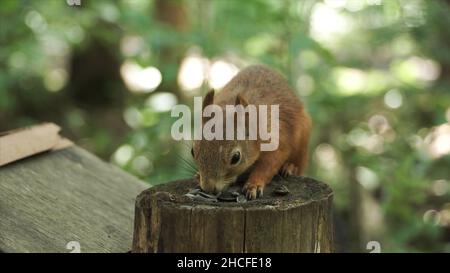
241	101
209	99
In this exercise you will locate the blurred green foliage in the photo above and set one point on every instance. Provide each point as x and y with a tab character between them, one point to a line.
374	75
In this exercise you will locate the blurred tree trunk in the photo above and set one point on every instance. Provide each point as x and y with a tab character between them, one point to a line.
172	14
96	88
94	79
355	213
355	204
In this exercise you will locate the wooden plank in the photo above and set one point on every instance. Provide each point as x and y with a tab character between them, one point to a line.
53	198
21	143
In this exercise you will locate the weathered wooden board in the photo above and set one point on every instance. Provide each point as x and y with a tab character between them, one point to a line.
49	200
25	142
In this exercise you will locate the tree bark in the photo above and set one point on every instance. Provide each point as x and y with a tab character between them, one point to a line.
301	221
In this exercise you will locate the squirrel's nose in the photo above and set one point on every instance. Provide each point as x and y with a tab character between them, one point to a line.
210	187
206	186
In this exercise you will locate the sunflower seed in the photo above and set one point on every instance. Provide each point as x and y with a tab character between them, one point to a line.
281	190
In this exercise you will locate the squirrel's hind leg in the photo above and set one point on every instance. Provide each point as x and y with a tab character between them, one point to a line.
289	169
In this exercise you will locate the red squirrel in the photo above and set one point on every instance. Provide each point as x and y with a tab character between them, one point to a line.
221	162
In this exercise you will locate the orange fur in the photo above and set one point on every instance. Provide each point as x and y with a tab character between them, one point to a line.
257	85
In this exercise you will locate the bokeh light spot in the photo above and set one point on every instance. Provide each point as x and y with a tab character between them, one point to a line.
161	102
140	79
55	80
438	141
192	72
432	217
221	73
124	154
440	187
367	178
393	99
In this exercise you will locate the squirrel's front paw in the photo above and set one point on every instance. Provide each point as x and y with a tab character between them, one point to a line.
253	190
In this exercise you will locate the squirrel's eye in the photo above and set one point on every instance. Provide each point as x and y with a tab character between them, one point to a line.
192	152
235	158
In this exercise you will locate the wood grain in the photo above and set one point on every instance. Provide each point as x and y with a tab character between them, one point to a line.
167	221
68	195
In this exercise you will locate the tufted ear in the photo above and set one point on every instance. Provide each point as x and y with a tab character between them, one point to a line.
240	100
209	99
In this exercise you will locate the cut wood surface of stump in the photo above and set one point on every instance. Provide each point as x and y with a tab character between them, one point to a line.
166	220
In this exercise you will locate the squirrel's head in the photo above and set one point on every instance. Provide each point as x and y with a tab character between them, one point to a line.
220	162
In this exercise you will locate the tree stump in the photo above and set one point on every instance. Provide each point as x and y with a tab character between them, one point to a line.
300	221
